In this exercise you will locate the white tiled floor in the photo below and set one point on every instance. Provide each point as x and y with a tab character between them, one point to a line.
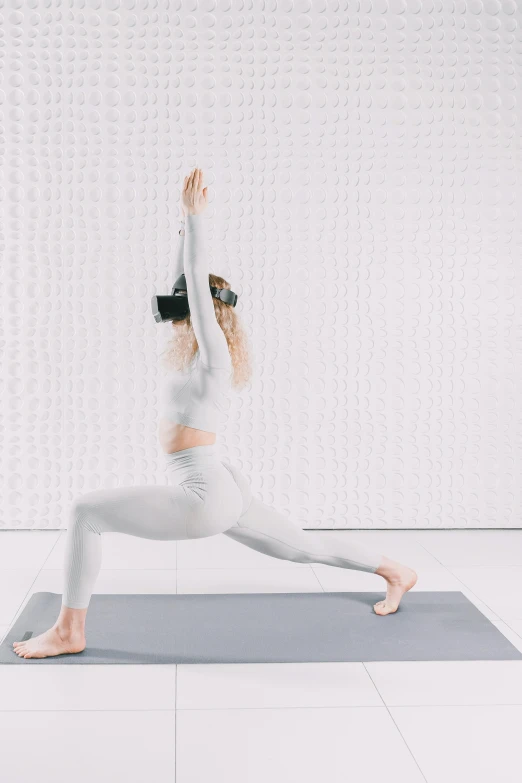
251	723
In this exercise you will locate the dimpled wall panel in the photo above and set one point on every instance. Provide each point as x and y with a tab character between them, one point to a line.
363	162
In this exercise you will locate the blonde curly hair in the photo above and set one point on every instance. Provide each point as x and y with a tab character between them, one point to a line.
183	346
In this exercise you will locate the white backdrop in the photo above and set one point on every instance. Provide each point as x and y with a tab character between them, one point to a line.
364	169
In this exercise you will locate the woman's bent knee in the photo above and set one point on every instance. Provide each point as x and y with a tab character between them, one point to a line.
82	512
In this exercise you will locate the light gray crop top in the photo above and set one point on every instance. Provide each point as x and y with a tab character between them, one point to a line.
197	398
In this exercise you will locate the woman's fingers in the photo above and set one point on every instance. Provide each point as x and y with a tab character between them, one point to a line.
193	186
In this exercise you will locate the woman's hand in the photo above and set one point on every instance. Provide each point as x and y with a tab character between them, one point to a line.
194	195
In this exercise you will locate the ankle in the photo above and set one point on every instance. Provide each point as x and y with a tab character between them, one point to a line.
68	630
390	570
70	623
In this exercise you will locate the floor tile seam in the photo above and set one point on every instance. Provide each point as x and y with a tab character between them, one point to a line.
424	546
204	709
386	706
396	726
17	613
191	568
317	577
478	598
346	706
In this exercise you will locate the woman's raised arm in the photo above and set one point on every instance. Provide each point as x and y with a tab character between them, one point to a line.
213	347
212	343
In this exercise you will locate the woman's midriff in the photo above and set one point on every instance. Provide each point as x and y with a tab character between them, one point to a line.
176	437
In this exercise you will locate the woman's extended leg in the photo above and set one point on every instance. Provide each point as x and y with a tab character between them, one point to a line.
265	529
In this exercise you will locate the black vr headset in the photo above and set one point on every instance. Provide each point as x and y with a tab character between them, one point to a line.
176	306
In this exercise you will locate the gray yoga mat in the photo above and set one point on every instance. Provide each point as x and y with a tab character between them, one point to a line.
268	628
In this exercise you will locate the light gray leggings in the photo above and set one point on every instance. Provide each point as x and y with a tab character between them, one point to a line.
205	496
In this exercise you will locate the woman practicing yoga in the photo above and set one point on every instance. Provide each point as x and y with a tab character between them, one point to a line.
205	495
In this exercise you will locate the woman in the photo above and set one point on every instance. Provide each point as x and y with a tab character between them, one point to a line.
205	495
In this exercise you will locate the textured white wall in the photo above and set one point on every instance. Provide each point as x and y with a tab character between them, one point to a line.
364	168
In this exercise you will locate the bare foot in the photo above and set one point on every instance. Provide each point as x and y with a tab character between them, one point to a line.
398	584
51	642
